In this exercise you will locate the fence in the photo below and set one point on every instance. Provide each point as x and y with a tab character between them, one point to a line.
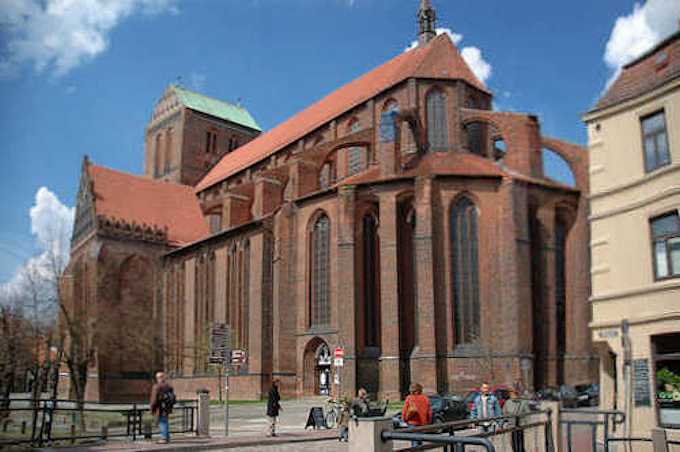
599	430
531	431
45	422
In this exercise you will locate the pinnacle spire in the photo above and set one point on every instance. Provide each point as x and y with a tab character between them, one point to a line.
427	18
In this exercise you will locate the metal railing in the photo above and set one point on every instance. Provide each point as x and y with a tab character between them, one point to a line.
457	441
514	426
46	421
607	419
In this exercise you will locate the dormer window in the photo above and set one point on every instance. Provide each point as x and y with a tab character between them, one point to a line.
354	126
215	220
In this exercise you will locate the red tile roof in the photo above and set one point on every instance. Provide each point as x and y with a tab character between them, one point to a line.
658	66
122	196
439	59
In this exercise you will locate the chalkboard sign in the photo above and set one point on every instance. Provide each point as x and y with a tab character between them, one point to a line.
641	382
315	418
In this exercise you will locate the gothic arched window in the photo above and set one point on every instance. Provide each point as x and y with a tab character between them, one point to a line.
465	271
327	175
356	160
388	122
476	138
437	126
320	272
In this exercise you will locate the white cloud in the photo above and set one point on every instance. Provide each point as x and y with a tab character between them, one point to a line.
58	35
472	55
639	31
51	224
455	37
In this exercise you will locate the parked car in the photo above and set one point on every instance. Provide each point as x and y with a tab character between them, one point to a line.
446	408
565	394
588	395
501	392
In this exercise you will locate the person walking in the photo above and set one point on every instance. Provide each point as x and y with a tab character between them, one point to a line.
273	406
345	415
161	402
486	406
417	410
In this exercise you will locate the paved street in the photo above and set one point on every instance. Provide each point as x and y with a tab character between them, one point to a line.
250	419
326	446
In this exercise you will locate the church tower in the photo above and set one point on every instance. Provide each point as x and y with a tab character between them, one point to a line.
427	19
189	133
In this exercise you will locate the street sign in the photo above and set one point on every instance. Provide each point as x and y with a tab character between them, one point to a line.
339	352
238	356
220	343
338	362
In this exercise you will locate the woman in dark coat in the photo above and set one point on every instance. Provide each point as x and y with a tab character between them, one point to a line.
273	406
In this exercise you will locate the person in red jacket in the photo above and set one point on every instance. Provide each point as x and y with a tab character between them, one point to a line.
417	409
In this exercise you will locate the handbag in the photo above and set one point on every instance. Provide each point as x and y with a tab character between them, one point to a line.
411	411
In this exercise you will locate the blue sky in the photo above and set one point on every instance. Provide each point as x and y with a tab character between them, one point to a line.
85	81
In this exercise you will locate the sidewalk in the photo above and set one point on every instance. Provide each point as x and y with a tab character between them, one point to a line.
189	443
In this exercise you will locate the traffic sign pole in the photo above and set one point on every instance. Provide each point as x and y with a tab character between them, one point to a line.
226	398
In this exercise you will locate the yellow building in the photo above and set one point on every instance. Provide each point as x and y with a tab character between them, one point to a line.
634	139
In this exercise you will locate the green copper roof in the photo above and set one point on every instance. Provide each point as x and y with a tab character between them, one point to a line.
214	107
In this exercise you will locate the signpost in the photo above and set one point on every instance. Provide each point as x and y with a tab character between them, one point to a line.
220	353
338	362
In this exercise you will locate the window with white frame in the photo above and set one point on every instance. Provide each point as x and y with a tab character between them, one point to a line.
666	245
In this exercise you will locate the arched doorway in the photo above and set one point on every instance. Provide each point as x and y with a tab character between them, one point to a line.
317	372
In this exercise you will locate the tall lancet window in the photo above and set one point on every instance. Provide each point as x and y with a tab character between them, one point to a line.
465	271
437	126
320	272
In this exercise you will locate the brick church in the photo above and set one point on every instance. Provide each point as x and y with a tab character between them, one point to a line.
400	218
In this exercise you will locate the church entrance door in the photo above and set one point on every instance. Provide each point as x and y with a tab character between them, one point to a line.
317	371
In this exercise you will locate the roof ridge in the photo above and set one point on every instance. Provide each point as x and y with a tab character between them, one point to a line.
409	64
217	99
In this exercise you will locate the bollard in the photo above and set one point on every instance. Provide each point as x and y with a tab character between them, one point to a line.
23	427
73	434
147	429
105	432
203	424
365	434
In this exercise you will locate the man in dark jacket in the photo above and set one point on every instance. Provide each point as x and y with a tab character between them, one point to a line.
273	406
161	401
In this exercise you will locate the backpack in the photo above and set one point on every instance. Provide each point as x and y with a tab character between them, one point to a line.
166	400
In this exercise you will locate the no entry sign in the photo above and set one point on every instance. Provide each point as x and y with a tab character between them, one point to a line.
339	355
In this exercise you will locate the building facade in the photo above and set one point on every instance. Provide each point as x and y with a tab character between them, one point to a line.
634	136
400	218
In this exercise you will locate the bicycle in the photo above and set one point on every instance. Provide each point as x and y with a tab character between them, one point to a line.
333	412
